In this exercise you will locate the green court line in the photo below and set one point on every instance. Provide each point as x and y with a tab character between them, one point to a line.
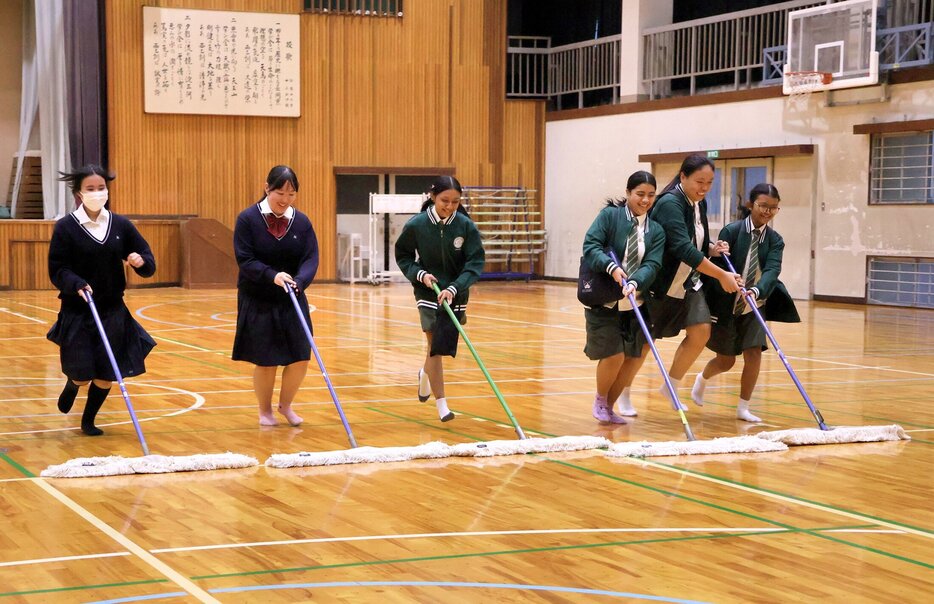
753	516
533	550
795	497
756	488
13	463
81	587
724	508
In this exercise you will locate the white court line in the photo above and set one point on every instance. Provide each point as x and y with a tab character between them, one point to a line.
51	310
921	430
163	568
199	401
63	559
857	366
786	499
480	534
22	316
21	478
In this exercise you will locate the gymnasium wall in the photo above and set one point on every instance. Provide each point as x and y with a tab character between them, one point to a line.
426	90
589	159
11	55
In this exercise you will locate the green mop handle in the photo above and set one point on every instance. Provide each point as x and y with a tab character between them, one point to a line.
486	374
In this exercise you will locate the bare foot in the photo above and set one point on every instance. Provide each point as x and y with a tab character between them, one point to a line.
291	416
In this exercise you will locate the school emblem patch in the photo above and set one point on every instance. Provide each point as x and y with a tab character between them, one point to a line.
458	243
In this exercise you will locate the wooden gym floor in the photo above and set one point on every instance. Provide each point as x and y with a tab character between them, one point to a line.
847	523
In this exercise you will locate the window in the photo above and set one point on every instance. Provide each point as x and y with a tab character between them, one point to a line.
366	8
901	281
902	168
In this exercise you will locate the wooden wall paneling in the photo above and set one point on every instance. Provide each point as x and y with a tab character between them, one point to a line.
25	235
424	90
164	239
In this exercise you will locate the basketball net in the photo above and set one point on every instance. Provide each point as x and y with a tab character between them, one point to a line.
803	83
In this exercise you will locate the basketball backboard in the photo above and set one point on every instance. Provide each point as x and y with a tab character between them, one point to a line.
839	39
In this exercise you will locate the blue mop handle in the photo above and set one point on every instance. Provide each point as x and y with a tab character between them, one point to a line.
324	372
675	401
113	363
747	296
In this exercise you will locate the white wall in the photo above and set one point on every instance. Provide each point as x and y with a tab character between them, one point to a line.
588	159
637	16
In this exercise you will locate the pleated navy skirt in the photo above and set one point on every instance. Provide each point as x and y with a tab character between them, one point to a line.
269	333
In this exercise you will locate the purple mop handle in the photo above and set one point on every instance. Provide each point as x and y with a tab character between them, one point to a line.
324	372
747	296
675	401
113	364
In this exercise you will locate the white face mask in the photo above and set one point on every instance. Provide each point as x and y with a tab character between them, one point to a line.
94	200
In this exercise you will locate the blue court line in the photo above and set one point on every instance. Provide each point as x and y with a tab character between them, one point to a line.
516	586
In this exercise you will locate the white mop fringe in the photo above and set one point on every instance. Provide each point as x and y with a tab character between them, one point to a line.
115	465
437	450
732	444
836	435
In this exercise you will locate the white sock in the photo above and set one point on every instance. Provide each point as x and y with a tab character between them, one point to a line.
674	384
443	412
625	404
697	392
424	386
742	412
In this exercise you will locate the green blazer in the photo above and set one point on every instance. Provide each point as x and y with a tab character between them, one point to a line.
778	303
597	240
676	216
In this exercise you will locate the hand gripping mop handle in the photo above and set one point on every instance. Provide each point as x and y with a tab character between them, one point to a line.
476	357
747	296
675	401
113	363
324	372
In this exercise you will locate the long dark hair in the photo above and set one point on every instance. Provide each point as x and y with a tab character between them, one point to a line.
440	185
76	177
640	177
277	178
691	164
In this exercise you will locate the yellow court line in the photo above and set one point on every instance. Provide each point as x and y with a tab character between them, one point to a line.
816	506
127	543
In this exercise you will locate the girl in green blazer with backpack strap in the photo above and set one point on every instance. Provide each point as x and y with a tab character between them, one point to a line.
614	338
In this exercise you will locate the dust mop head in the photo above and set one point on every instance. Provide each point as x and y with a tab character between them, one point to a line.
150	464
838	435
529	445
733	444
432	450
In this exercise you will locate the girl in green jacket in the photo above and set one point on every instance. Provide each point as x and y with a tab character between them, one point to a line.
614	338
440	245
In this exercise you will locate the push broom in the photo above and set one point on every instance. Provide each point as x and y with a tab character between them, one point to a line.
823	434
148	464
436	450
734	444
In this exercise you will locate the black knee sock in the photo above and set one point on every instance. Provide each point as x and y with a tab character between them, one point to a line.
67	398
96	397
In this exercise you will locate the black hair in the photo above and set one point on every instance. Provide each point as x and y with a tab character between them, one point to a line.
691	164
76	177
763	188
280	175
640	177
440	185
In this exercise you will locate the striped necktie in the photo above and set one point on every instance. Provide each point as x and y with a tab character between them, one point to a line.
632	250
751	274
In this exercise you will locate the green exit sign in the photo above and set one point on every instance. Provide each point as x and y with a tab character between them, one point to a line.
713	154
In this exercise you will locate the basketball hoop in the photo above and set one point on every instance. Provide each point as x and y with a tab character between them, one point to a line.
801	84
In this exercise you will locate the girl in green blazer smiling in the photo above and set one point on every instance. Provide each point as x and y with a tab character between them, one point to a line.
440	245
757	254
614	338
677	301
